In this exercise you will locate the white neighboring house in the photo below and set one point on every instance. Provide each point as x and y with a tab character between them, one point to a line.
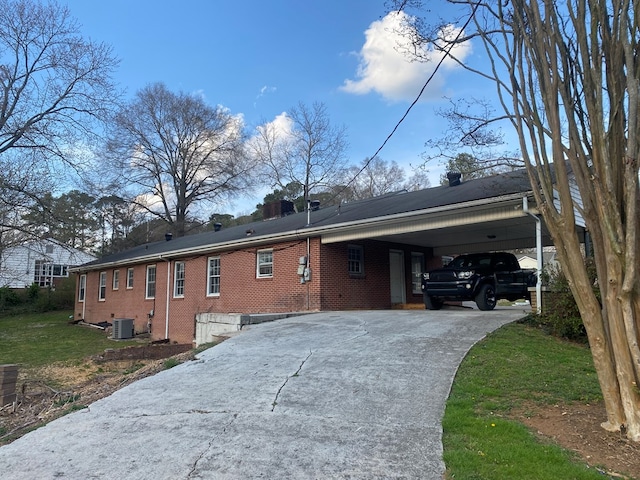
529	261
40	262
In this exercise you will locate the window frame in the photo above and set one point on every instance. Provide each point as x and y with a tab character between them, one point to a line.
130	271
115	280
359	261
213	279
178	280
102	286
416	276
82	288
149	283
260	263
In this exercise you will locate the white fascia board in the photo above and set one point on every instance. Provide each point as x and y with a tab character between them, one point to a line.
467	213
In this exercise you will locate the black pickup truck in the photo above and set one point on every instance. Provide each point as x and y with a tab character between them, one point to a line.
482	277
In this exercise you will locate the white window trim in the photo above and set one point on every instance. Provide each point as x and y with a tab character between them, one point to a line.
115	281
175	279
359	248
130	284
82	288
418	276
102	286
219	276
258	263
146	282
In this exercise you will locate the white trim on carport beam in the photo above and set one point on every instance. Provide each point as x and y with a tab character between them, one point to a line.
425	222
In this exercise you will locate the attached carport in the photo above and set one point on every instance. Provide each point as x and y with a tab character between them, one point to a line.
489	214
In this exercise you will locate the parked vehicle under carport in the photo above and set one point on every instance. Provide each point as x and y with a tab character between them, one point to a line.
484	278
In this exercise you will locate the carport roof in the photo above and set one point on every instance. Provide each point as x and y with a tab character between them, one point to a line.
432	217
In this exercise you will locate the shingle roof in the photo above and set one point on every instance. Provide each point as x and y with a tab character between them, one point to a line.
373	208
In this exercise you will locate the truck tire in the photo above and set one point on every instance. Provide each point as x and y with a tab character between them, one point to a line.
486	297
432	303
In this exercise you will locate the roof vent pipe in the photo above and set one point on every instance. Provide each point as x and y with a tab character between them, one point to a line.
217	227
454	178
168	236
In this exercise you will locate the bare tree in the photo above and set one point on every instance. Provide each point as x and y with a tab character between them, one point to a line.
179	153
55	87
303	148
375	177
53	83
568	76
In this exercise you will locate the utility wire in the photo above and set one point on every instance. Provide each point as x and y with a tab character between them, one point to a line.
447	51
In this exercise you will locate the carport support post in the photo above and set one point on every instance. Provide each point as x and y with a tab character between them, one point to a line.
525	209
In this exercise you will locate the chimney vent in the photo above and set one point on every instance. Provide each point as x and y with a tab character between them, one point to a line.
277	209
454	178
315	205
217	227
168	236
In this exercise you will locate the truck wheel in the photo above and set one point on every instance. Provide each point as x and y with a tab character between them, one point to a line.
486	297
432	303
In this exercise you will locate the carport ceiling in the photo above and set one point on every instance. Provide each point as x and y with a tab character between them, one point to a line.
487	236
484	225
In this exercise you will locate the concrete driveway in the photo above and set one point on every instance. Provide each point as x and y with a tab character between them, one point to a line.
326	395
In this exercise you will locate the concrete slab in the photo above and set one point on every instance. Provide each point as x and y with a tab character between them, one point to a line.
326	395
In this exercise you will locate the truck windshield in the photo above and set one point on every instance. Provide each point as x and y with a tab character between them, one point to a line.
470	261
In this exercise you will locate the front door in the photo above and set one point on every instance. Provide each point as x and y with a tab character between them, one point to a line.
396	272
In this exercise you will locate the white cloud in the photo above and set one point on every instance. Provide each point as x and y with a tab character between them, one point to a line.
264	91
386	70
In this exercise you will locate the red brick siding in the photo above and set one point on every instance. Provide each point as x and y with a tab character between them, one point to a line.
331	287
340	290
240	291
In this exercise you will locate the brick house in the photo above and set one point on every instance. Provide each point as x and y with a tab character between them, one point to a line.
365	254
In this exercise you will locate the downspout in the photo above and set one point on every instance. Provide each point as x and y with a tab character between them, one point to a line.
309	267
166	317
84	300
525	209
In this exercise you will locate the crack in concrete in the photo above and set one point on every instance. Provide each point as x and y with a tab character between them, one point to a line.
355	337
194	465
275	400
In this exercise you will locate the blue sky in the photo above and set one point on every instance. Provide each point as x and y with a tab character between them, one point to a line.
259	58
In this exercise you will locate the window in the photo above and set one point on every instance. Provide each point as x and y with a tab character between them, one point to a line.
213	277
82	287
265	264
116	279
45	272
355	260
129	278
151	282
102	290
417	267
178	280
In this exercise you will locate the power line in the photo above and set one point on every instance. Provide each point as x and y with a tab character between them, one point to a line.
447	51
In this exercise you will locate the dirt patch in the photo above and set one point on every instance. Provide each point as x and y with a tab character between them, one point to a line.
47	393
577	427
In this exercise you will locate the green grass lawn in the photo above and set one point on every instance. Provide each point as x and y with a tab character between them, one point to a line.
35	340
515	364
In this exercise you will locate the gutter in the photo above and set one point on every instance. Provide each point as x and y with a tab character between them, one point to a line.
299	233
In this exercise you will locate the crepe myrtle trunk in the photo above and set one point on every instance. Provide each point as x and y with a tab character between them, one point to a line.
567	77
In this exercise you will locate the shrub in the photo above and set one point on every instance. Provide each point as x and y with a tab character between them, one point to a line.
561	317
38	299
8	298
